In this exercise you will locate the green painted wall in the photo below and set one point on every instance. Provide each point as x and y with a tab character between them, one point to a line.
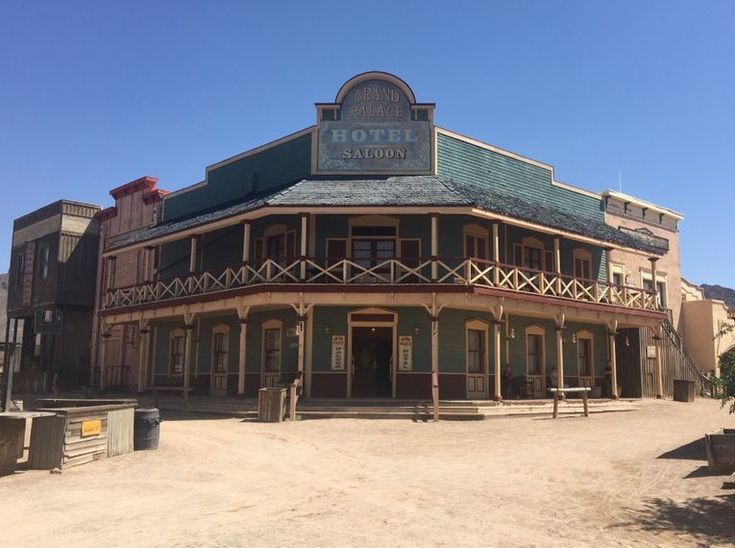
469	163
259	173
452	340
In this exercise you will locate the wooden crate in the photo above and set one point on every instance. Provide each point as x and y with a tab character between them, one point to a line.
271	404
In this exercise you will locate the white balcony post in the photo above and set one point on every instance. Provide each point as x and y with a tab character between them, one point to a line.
557	265
434	246
497	322
654	280
194	244
304	241
496	255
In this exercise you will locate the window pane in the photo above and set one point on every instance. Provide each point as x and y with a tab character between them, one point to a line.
469	244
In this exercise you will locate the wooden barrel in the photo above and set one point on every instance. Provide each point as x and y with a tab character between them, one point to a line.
271	404
147	429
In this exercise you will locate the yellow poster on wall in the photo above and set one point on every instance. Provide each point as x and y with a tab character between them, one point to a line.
91	428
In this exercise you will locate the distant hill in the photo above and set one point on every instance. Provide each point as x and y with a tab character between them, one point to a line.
720	293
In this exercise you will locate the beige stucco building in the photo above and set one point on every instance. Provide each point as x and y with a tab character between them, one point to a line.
701	320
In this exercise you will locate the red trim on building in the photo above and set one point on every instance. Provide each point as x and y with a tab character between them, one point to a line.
153	196
144	183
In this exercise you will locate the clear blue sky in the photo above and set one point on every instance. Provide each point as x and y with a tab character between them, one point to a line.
95	94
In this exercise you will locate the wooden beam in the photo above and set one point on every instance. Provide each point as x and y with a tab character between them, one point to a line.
242	313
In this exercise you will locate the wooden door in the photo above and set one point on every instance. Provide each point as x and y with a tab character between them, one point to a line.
220	355
476	363
535	363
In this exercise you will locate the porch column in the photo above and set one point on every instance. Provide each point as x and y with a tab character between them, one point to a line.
104	335
309	356
243	316
5	405
303	250
435	364
496	255
144	332
434	247
657	336
560	351
498	371
193	254
557	264
303	321
654	260
612	332
188	344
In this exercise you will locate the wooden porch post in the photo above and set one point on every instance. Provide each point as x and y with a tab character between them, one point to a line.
193	254
144	331
611	332
104	335
242	314
657	336
498	371
496	255
303	250
557	264
654	260
560	351
434	311
434	246
188	342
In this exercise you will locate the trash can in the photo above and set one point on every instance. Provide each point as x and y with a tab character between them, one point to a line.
271	404
146	429
684	390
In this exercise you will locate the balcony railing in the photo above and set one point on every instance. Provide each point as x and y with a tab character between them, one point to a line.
389	272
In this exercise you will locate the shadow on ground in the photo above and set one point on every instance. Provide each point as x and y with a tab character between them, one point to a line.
694	450
708	520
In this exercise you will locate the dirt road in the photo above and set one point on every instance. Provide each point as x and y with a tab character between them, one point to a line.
611	479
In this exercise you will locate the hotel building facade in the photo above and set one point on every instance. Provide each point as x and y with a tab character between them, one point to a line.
375	254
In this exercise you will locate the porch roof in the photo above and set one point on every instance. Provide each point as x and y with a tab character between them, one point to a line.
408	191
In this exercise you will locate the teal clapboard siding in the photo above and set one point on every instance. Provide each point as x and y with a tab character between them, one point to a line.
452	339
472	164
233	182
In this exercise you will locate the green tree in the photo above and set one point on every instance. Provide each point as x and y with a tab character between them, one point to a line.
726	383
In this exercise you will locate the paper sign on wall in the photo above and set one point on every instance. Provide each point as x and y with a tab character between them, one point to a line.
405	353
338	352
651	351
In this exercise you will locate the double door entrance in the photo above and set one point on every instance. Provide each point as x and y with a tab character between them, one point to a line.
372	362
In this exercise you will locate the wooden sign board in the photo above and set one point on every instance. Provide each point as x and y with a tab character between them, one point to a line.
91	428
405	353
338	352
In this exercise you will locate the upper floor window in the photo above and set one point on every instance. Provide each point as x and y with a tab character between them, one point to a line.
20	266
43	265
475	242
582	264
661	294
530	254
277	243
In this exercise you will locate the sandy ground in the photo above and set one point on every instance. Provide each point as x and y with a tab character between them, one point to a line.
635	478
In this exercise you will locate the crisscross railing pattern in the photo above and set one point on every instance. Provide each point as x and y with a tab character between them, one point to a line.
391	271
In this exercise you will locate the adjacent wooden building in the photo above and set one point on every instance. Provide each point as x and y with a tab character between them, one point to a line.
51	291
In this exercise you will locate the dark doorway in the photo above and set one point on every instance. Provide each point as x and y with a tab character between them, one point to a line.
628	357
372	350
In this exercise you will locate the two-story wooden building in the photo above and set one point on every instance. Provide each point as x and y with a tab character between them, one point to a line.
369	251
51	291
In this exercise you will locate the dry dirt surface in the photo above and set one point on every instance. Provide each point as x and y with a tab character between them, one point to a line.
618	479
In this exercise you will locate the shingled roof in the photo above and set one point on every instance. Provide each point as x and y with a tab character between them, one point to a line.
410	191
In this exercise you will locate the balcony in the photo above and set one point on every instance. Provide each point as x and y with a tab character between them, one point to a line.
389	273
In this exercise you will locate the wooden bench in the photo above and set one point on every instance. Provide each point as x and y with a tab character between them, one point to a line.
584	390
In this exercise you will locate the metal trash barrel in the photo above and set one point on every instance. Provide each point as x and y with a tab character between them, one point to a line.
146	429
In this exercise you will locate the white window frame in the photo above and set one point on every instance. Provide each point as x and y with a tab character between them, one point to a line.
268	325
224	330
176	333
536	330
476	325
584	334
